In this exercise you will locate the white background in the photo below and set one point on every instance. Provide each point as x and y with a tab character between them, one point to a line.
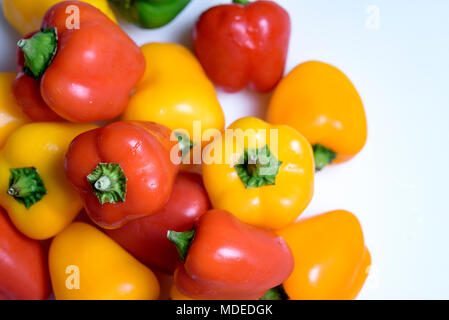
398	185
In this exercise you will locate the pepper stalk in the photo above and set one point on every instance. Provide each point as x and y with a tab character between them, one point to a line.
276	293
241	2
323	156
26	186
108	182
182	241
258	167
185	144
39	51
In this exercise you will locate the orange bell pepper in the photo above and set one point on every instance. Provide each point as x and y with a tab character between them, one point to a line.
331	259
321	103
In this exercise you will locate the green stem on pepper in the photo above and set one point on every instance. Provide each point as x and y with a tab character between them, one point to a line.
26	186
276	293
323	156
108	182
39	51
185	144
258	167
182	241
242	2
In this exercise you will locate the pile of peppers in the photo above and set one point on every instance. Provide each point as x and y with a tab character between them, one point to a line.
100	194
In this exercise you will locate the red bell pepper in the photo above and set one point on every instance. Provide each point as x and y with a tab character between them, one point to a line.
123	171
228	259
23	265
243	44
82	75
146	238
27	92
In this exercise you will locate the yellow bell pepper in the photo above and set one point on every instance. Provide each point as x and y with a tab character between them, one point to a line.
264	175
175	92
26	15
34	189
11	116
85	264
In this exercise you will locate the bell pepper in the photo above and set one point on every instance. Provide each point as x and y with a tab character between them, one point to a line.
264	178
173	96
33	187
331	259
146	238
150	13
243	44
85	264
27	93
26	16
10	114
319	101
81	80
23	265
225	258
123	171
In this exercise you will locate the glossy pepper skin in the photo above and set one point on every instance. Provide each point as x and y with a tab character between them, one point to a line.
243	44
174	96
331	259
83	257
26	16
146	238
23	265
269	197
150	14
229	259
123	171
319	101
27	93
11	115
80	79
33	187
